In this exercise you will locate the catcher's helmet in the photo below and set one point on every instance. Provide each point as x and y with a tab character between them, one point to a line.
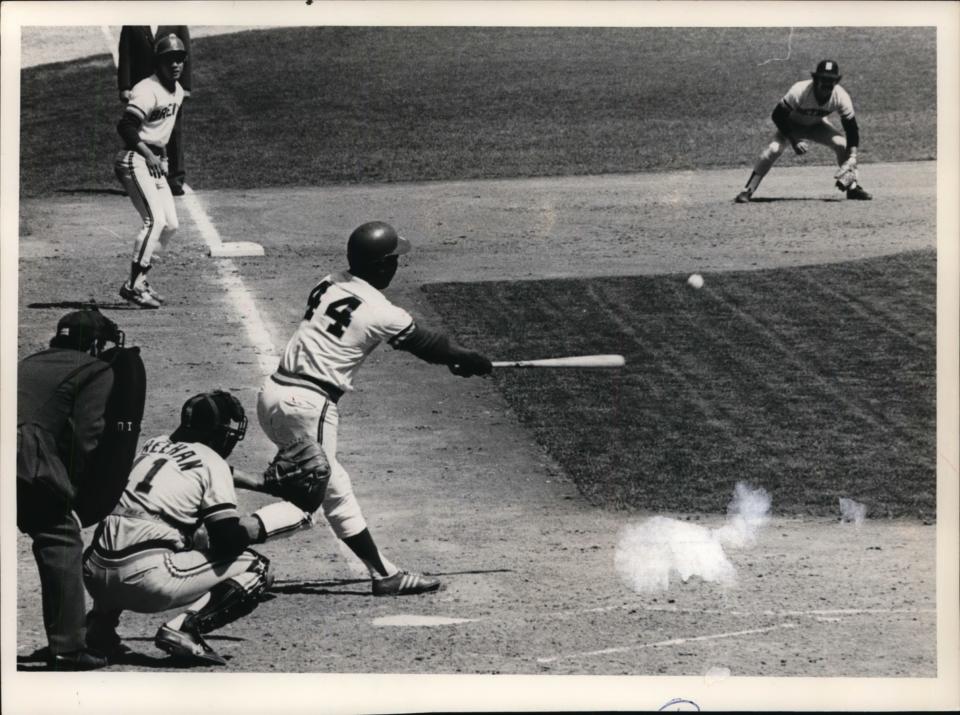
215	418
169	43
828	69
372	242
87	331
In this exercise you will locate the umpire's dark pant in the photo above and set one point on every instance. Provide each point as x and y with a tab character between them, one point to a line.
58	550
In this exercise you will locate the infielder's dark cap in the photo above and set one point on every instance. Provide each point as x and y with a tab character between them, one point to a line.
374	241
169	43
827	69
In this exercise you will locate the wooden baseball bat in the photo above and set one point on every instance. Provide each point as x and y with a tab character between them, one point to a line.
574	361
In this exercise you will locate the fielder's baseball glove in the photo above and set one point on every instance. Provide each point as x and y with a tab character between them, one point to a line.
846	175
299	474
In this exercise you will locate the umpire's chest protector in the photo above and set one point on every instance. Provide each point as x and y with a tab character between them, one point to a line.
107	471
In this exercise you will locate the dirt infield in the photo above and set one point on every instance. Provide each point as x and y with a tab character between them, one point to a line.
448	481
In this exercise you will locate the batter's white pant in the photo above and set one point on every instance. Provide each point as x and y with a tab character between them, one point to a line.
152	198
287	414
158	579
822	133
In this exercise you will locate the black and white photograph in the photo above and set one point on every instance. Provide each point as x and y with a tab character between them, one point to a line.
385	357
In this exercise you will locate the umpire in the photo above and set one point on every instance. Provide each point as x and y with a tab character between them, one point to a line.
62	410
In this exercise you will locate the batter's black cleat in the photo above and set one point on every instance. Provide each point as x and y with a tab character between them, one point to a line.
857	193
743	197
138	296
404	583
76	660
186	645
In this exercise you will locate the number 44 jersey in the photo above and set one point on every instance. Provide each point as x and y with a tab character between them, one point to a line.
173	488
345	320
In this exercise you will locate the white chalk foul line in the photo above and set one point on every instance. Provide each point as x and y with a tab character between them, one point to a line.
672	641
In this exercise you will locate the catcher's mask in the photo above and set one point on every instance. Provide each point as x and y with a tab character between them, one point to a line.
214	418
87	331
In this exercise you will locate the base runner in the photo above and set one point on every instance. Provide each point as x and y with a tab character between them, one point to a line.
145	127
147	556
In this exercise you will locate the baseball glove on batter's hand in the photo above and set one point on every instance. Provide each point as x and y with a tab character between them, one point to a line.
299	474
846	175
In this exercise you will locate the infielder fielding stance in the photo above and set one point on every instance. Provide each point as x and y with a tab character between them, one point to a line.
801	116
347	317
141	167
144	558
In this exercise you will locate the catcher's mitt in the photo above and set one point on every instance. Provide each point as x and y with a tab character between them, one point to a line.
846	176
299	474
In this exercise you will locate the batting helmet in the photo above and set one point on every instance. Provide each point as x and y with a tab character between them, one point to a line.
828	69
214	418
169	43
372	242
86	330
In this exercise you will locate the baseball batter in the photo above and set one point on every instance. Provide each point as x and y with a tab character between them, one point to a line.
801	117
145	127
346	318
147	555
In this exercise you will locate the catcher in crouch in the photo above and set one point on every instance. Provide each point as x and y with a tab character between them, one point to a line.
151	554
346	318
801	116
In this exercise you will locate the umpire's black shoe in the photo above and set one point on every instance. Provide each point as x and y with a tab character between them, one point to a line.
176	190
857	193
77	660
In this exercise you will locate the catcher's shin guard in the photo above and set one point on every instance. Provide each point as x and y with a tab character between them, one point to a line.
232	599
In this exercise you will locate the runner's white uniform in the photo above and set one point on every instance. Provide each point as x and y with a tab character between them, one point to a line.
140	559
157	108
346	319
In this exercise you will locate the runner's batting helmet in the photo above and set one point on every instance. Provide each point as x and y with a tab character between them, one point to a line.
214	418
372	242
169	43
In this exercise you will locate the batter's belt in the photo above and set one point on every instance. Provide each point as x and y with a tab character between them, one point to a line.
291	379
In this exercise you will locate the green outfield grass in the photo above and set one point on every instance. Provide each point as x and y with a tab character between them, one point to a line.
814	383
308	106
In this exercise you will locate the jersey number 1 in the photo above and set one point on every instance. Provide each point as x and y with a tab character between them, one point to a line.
338	310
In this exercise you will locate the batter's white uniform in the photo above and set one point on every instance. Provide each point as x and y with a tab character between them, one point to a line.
809	120
157	108
346	319
140	558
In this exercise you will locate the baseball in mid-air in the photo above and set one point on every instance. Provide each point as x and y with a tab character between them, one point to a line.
695	280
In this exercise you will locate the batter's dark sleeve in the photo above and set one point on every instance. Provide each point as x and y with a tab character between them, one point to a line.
852	131
435	347
781	117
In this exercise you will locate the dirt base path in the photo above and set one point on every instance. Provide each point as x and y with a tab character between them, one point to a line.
449	482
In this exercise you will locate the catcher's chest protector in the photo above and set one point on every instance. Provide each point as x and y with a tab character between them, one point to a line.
109	467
